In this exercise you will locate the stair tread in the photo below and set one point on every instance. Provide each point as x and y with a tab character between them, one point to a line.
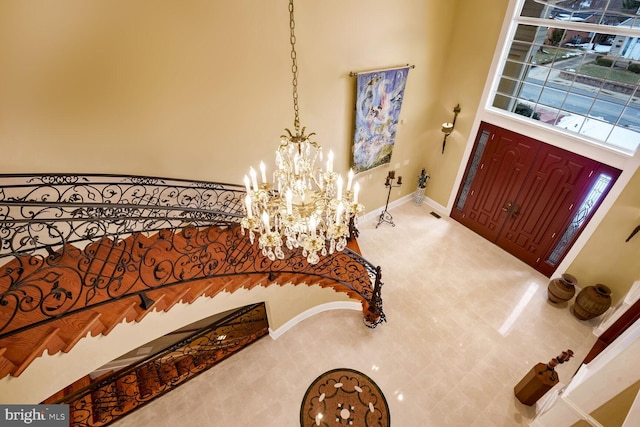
117	312
26	347
74	328
128	391
78	385
179	296
148	380
6	366
167	371
184	364
54	397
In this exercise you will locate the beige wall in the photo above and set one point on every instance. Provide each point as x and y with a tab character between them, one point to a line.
202	90
475	31
614	412
607	258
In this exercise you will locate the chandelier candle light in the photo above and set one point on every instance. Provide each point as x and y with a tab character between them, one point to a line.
304	206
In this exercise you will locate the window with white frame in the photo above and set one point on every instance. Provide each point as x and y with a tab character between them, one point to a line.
575	65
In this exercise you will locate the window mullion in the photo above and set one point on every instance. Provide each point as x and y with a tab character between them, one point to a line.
579	26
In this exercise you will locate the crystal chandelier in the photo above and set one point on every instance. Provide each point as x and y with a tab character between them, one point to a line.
304	206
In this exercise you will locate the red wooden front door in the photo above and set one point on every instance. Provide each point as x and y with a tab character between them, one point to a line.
499	177
522	194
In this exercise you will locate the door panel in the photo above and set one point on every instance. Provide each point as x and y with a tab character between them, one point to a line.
596	189
543	207
502	171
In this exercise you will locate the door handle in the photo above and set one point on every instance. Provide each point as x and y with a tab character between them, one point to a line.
511	208
515	210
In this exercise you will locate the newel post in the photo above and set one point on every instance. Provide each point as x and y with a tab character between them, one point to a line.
375	315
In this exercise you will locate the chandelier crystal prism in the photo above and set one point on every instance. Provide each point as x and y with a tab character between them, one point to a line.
303	206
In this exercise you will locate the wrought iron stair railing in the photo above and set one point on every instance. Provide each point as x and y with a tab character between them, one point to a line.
48	211
72	244
114	395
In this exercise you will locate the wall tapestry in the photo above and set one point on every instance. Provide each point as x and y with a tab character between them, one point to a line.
378	103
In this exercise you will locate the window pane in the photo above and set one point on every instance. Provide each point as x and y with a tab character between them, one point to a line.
515	70
526	33
503	102
635	99
520	52
533	9
564	73
473	169
630	119
577	104
538	75
616	97
552	97
531	92
582	213
618	19
606	110
596	129
526	109
547	114
601	12
508	86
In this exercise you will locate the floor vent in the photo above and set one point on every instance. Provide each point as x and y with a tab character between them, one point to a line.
435	214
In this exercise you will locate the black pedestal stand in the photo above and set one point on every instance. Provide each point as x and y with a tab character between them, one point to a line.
385	216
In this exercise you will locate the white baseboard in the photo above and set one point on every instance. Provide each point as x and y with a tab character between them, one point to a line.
437	206
409	197
335	305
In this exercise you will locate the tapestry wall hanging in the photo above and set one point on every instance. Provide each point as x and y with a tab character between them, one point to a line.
378	102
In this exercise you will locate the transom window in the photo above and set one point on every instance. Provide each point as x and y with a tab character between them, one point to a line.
575	65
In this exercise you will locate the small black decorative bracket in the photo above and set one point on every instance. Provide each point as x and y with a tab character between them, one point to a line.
145	302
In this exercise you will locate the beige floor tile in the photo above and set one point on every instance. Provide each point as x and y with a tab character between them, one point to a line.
465	322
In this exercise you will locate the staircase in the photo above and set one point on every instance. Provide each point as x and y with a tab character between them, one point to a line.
126	291
82	254
101	401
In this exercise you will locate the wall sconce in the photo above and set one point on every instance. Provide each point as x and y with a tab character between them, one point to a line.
447	128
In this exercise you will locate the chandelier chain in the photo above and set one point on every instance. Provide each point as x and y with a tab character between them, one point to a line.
294	67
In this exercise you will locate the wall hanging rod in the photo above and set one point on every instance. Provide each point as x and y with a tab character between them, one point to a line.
355	73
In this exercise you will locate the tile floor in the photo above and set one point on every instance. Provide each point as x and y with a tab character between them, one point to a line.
466	321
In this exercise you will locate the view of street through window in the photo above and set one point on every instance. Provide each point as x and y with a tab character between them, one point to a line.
567	75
